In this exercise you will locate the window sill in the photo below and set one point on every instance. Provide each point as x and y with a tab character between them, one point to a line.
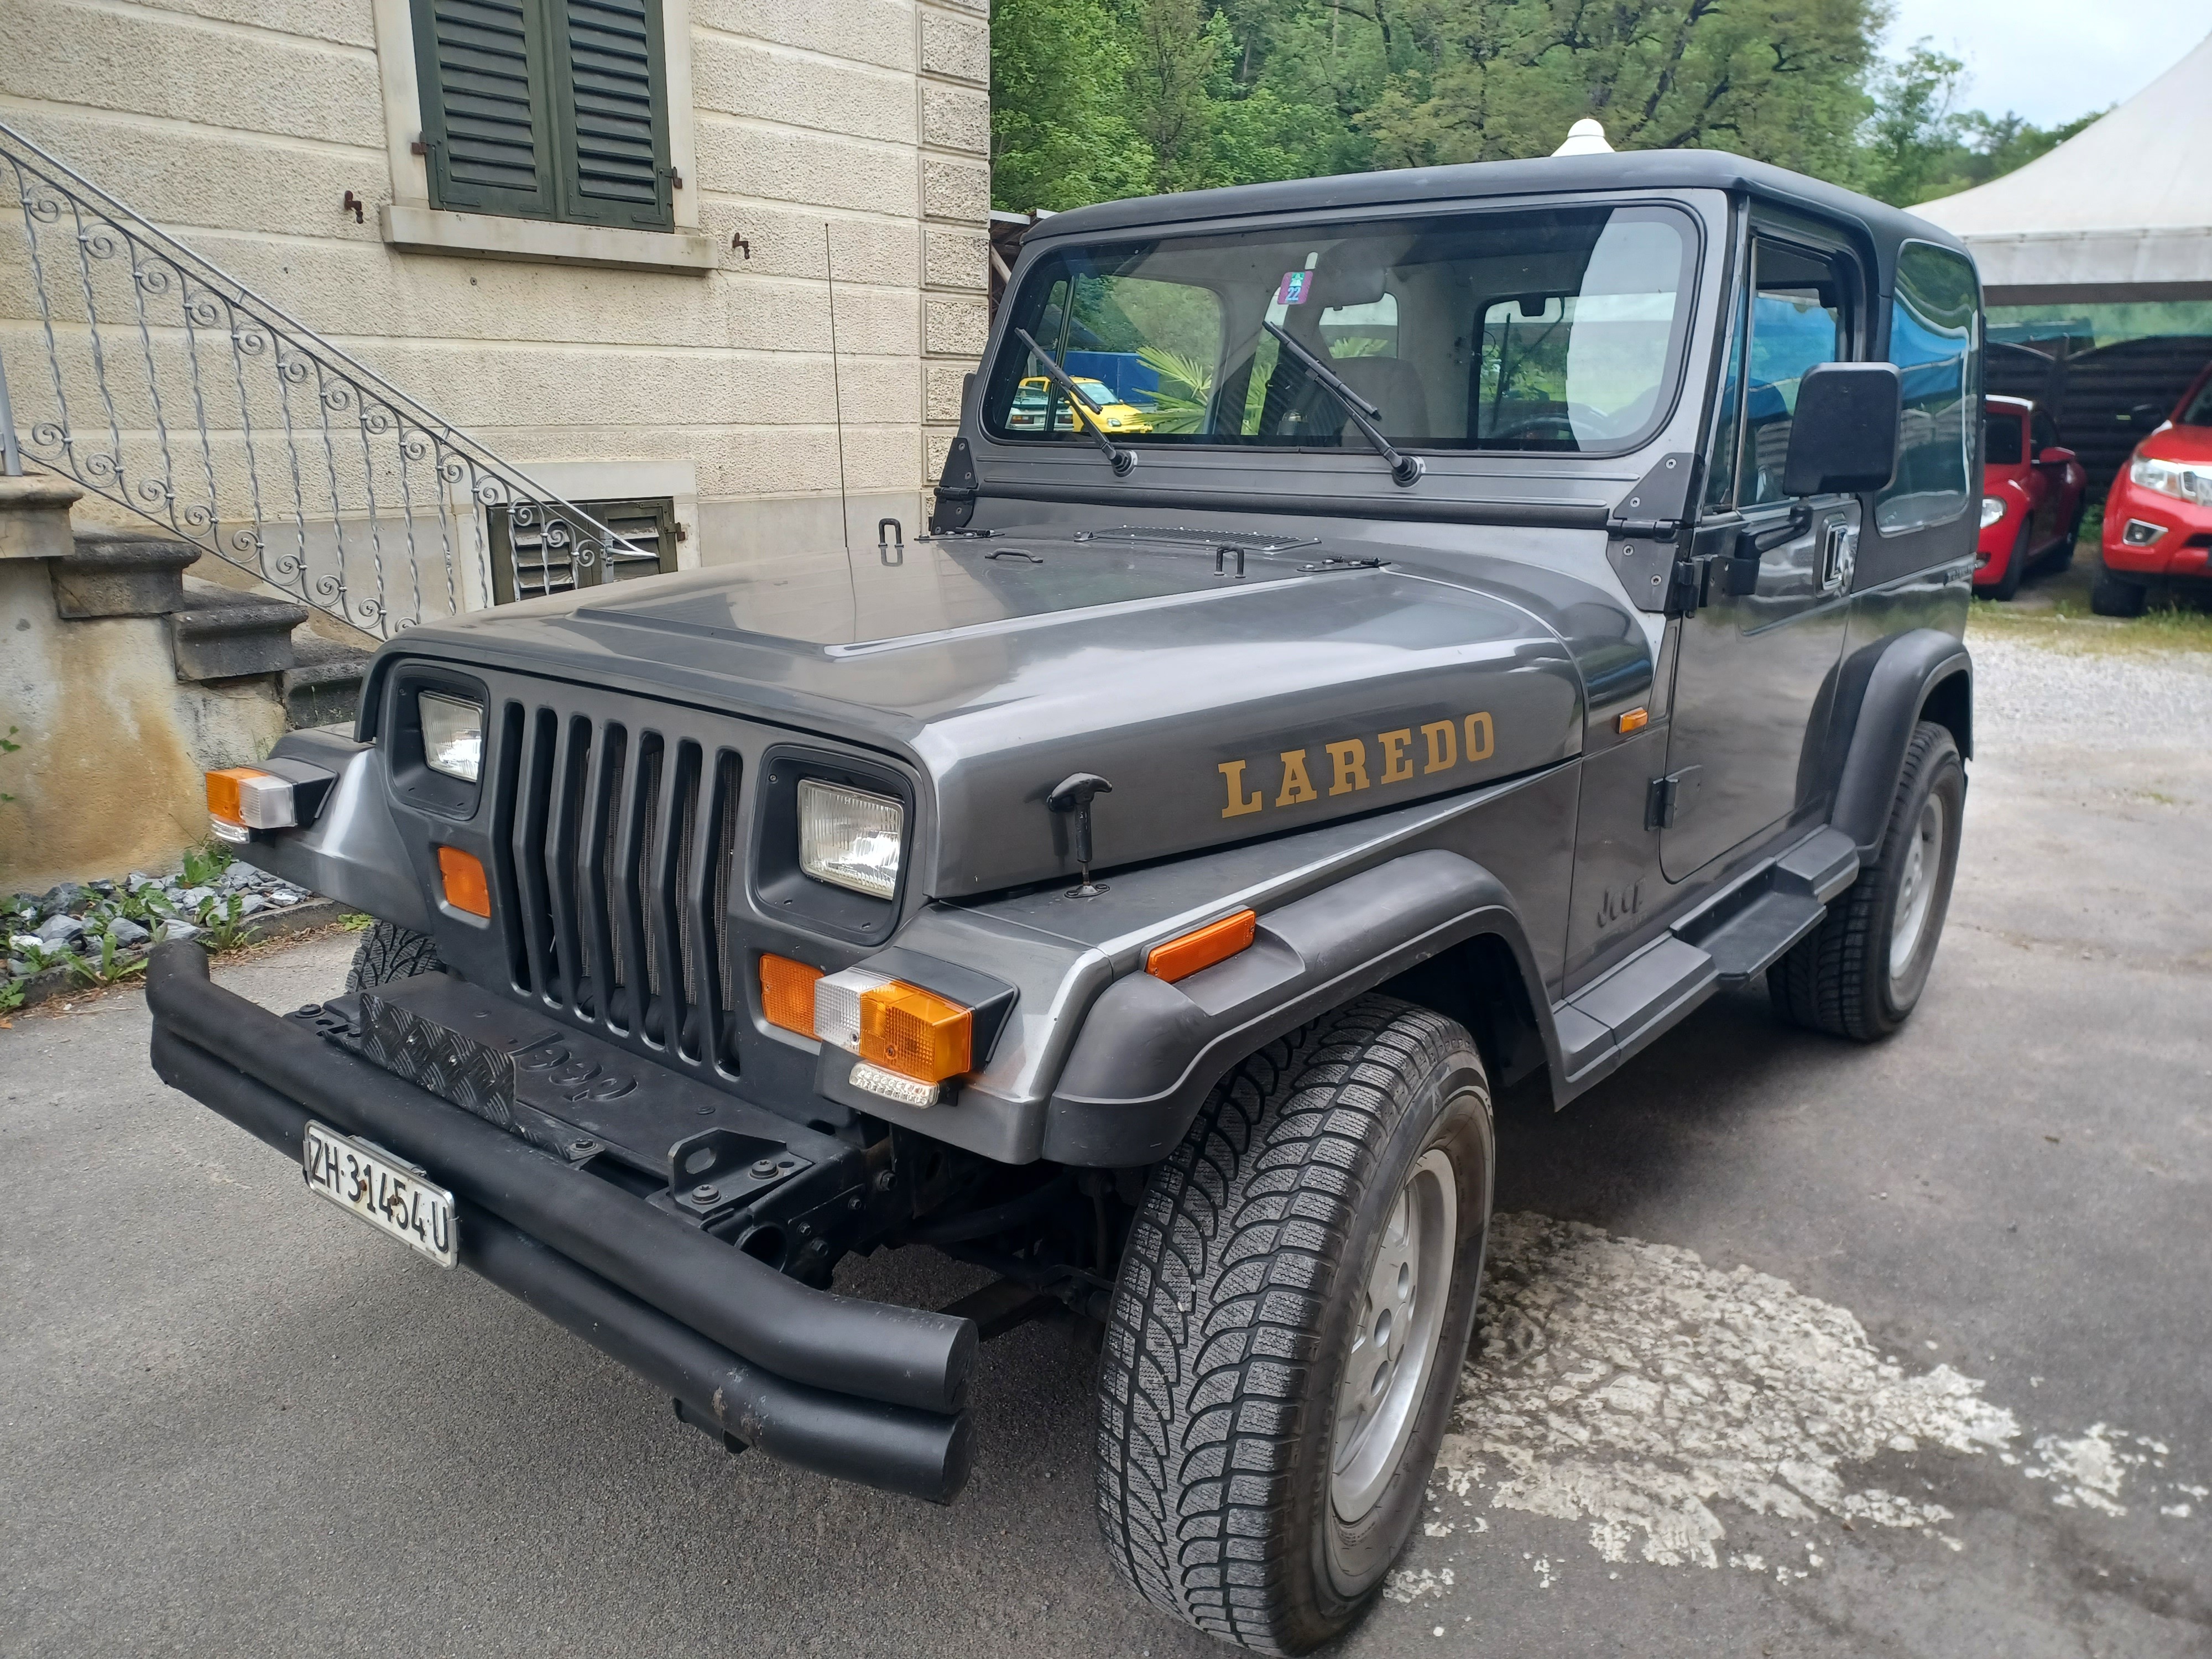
486	236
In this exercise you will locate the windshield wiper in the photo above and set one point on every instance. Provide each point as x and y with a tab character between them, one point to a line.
1405	470
1085	411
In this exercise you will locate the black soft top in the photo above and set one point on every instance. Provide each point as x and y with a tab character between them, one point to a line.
1883	227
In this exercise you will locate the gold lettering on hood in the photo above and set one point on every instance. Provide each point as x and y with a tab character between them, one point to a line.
1449	743
1232	772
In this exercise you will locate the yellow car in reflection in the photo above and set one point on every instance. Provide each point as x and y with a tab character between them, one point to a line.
1034	393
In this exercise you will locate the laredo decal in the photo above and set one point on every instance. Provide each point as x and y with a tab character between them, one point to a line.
1344	766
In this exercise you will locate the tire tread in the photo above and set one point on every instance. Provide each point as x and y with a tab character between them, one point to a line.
1227	1272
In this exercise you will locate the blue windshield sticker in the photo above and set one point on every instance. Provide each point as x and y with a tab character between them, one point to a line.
1297	287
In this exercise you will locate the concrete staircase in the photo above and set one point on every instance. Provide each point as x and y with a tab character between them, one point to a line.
217	635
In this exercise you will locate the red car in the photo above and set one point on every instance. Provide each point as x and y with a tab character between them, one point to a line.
2033	494
2158	518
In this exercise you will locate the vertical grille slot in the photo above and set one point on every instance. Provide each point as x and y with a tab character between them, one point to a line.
527	836
602	823
615	850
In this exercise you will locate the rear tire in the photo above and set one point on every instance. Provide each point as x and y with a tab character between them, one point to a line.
1859	974
2111	596
388	951
1287	1333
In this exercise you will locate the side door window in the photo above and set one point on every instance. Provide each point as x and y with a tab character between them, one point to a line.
1800	318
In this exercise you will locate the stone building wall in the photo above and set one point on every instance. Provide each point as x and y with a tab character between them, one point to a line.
850	134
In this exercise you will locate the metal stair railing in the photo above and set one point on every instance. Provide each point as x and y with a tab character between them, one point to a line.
161	382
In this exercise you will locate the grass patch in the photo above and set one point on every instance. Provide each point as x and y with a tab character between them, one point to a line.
2054	610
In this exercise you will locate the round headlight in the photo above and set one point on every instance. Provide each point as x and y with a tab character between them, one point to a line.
1993	509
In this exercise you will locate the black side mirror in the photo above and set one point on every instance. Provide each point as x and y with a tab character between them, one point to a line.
1843	436
2147	417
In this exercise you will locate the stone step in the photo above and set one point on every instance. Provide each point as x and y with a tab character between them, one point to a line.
221	635
322	687
121	573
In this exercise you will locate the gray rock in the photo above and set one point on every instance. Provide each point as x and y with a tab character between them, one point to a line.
104	888
60	930
284	896
139	878
239	877
125	932
251	903
179	930
192	897
18	969
65	895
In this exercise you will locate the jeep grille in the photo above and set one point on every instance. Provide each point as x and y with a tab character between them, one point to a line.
615	844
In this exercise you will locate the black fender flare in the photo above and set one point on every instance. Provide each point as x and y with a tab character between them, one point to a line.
1901	677
1150	1052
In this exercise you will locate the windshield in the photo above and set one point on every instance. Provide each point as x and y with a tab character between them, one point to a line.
1550	329
2199	412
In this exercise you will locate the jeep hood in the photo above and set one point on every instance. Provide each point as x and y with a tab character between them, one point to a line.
1218	707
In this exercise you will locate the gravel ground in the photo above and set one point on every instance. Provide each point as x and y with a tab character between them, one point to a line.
2026	692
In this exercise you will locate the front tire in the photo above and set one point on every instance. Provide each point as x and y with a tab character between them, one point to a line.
1287	1330
2111	596
2016	566
388	951
1860	973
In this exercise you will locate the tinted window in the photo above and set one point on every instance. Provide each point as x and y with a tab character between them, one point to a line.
1933	341
2042	432
1558	330
2002	440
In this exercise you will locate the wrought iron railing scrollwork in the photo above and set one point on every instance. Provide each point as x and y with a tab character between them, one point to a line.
153	378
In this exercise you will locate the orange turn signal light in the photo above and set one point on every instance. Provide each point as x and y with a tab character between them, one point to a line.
913	1032
1634	720
466	888
788	993
1217	941
226	790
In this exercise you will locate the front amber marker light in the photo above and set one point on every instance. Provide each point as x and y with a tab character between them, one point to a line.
1634	720
788	993
464	876
1217	941
913	1032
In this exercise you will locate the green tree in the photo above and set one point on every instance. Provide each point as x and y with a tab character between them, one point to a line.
1484	80
1100	98
1060	131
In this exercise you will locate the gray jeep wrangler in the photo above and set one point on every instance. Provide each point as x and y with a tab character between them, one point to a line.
1380	640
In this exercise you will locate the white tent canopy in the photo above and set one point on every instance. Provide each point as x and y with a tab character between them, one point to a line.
2121	211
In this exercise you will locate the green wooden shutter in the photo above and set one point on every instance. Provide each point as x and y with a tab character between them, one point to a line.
487	106
610	113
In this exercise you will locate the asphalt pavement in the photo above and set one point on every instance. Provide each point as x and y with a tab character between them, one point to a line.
1790	1347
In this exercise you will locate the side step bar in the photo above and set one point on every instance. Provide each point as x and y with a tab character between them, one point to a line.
1733	938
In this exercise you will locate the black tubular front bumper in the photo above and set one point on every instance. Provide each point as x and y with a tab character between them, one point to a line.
865	1391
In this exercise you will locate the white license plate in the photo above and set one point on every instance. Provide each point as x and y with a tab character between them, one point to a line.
391	1196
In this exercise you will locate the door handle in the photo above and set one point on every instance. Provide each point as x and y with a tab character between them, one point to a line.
1840	557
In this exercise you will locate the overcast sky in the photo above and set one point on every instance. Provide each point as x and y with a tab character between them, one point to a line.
2051	60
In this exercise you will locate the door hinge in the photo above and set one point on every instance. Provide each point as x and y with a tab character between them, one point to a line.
1685	587
1664	803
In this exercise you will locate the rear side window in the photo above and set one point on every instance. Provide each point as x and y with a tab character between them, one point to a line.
1935	340
2002	442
